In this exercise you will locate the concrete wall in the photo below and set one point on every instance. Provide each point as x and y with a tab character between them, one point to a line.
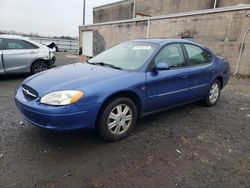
221	32
226	3
124	9
116	11
163	7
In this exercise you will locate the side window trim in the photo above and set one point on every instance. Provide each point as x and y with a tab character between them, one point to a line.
184	54
182	49
1	44
4	44
187	57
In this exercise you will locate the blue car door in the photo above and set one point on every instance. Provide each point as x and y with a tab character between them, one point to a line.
167	87
201	71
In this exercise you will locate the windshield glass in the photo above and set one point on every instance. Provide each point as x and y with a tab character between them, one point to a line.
128	56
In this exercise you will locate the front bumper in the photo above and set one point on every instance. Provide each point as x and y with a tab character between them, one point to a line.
65	118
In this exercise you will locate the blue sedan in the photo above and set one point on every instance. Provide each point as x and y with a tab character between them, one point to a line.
111	91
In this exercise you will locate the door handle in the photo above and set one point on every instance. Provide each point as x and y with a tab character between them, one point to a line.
184	76
32	52
212	71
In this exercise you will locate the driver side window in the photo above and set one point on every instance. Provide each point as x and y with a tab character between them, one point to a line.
172	55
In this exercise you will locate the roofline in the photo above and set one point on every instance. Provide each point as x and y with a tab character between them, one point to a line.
6	36
110	4
163	41
176	15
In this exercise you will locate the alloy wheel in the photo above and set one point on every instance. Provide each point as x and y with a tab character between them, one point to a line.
40	66
214	92
119	119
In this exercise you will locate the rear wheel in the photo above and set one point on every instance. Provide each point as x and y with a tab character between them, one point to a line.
39	66
117	119
213	94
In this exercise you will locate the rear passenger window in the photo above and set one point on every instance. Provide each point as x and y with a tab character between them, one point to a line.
29	45
197	56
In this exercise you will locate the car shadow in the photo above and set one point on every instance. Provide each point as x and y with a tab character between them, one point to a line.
13	77
164	116
150	131
88	138
67	139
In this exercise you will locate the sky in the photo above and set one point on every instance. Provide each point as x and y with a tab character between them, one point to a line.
46	17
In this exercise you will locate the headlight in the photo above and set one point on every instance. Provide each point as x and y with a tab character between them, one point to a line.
60	98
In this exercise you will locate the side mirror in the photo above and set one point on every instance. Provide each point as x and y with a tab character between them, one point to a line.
162	66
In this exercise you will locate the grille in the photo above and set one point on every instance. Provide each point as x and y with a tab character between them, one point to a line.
29	92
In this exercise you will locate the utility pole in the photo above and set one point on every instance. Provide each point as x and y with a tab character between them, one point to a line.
134	10
83	15
215	4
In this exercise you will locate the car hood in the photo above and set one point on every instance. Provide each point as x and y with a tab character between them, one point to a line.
74	76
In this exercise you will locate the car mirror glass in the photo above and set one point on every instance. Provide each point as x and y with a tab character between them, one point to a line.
162	66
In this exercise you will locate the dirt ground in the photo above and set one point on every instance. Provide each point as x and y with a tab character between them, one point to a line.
190	146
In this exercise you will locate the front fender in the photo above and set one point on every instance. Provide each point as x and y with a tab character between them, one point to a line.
99	92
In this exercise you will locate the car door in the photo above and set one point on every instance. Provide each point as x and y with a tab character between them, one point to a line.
201	70
167	87
1	57
18	55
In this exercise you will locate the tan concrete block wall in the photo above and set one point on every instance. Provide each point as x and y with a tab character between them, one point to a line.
225	3
116	33
221	32
124	9
163	7
117	11
245	59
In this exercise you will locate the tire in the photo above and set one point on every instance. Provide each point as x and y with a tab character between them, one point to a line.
213	94
117	119
39	66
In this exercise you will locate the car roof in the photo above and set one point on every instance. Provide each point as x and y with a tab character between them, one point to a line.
12	37
27	39
164	41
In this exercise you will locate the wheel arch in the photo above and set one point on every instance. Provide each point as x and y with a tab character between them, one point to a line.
220	78
40	59
127	94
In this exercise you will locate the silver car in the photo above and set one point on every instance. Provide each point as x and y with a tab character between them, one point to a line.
22	55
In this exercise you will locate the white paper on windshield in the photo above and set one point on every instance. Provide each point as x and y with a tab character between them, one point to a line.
142	48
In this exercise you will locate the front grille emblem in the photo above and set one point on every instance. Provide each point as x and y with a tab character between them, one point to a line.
27	92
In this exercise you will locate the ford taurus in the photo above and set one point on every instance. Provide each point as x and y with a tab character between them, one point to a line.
111	91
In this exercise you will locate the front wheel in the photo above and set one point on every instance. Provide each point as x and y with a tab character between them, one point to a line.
117	119
213	94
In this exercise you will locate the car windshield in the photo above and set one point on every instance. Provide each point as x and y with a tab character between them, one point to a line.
127	56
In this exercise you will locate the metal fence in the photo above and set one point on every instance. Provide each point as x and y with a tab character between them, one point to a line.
63	44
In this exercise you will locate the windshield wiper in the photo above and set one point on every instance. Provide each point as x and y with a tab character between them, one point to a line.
105	64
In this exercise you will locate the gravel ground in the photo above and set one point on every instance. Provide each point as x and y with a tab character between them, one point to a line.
190	146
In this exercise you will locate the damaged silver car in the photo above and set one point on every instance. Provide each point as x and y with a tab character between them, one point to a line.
22	55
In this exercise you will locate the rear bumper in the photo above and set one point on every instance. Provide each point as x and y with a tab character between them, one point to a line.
67	118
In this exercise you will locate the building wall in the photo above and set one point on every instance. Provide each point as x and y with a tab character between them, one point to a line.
226	3
116	11
163	7
221	32
124	10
